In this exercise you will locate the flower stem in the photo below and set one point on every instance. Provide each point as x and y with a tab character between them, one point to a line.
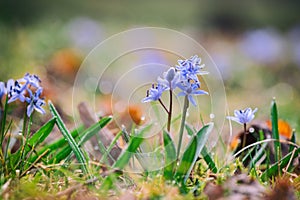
184	111
170	112
244	136
24	139
3	120
24	132
163	105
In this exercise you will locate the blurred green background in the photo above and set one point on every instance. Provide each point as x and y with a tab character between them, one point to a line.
255	44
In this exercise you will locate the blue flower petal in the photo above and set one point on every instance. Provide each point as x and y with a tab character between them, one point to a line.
243	116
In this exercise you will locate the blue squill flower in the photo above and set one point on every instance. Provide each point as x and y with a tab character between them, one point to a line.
189	90
15	91
191	67
35	102
2	90
30	79
170	79
10	85
154	93
243	116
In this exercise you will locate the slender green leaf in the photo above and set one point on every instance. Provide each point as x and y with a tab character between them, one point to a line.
248	154
125	135
108	182
192	152
188	159
34	141
84	137
75	148
170	156
61	154
208	159
132	148
273	170
91	131
87	135
54	146
259	154
189	130
275	132
38	137
112	144
293	140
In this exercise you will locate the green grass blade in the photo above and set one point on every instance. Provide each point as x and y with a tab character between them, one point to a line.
273	170
112	144
74	146
208	159
132	147
190	132
84	137
192	152
34	141
248	154
125	135
259	154
54	146
275	132
170	156
62	141
62	154
293	140
91	131
38	137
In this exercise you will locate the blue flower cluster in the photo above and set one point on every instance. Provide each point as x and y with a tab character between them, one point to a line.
184	76
26	89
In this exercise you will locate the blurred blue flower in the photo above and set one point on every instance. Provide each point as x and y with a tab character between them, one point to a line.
190	89
84	33
2	90
30	79
243	116
191	67
35	102
263	45
170	79
15	91
154	93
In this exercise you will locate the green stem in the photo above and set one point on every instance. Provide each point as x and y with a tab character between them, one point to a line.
184	111
3	118
244	136
24	132
170	112
2	135
163	105
24	135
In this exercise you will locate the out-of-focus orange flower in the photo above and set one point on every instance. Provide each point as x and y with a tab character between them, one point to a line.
283	127
136	114
235	142
66	61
